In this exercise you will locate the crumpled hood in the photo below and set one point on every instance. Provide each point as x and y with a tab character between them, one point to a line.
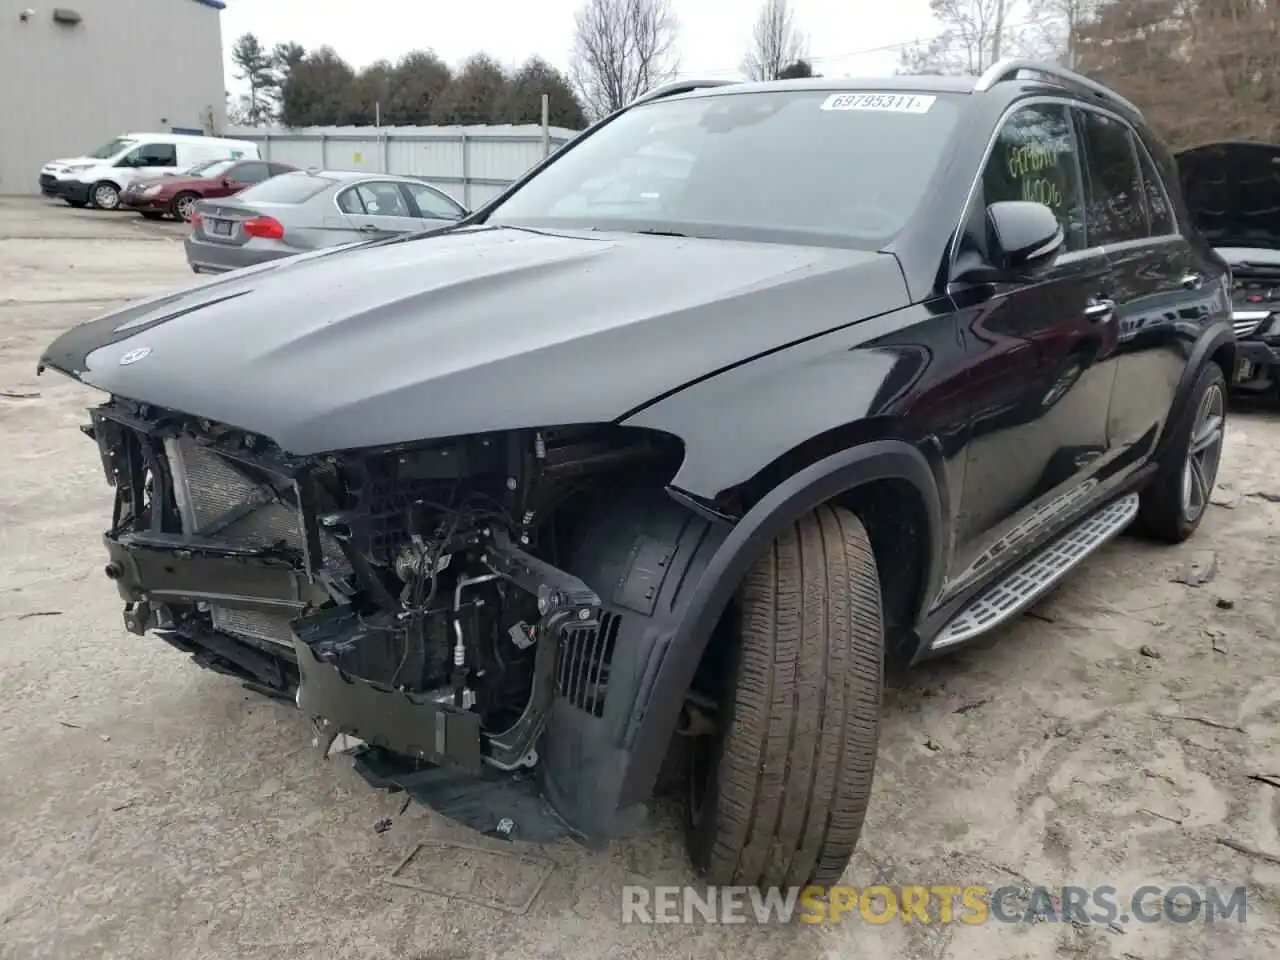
468	331
1233	192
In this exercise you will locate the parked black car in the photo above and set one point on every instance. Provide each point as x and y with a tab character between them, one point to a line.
1233	193
746	395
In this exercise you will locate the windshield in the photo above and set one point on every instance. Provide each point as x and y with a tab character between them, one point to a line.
109	150
212	168
806	166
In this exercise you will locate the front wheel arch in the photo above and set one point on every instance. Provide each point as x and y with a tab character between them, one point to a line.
657	711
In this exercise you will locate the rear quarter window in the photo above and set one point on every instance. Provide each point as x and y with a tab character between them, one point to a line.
289	188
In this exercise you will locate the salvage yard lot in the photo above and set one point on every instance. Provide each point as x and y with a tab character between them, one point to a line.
152	809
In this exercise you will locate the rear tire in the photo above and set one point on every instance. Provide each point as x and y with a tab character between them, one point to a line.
1173	505
781	797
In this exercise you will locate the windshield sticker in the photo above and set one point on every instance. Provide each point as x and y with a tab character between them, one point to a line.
884	102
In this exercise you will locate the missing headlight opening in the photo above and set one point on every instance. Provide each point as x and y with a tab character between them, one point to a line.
414	598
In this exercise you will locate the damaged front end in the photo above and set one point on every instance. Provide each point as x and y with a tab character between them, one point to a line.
415	598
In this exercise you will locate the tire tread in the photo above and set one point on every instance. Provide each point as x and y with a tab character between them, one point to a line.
798	755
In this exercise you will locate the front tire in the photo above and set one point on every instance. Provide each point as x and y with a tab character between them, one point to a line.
183	206
105	196
1174	504
782	795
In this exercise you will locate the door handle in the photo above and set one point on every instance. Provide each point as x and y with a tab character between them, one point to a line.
1099	310
370	228
1193	281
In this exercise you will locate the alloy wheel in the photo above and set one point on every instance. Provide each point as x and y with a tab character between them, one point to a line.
106	197
185	207
1204	452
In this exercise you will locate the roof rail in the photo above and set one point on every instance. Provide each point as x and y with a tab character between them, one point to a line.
1010	67
676	87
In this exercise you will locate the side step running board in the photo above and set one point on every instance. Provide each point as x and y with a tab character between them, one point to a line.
1034	576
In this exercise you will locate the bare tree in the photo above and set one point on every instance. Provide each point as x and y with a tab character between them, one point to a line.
622	48
974	35
1055	28
775	42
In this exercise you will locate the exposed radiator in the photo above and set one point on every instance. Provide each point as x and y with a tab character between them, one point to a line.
270	627
210	491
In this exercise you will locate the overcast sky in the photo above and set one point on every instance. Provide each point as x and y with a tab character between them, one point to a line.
855	37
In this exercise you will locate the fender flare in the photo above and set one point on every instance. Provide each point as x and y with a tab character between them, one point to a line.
649	736
1214	337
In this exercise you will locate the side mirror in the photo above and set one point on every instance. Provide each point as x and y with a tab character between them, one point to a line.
226	181
1023	238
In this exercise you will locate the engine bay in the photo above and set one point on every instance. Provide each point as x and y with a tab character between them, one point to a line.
414	598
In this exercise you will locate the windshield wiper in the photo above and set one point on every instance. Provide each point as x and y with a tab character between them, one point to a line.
663	233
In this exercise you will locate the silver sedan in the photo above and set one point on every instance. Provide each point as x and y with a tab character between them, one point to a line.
308	210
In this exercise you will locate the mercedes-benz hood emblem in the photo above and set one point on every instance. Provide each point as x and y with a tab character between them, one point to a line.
134	355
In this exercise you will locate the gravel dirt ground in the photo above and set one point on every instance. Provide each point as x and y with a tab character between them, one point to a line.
152	809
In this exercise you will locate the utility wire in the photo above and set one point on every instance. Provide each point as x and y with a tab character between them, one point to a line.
883	48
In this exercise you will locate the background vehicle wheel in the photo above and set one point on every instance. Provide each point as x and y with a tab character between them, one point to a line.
104	196
1175	503
151	215
779	795
184	204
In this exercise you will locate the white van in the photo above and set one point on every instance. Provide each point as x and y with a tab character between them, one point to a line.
98	178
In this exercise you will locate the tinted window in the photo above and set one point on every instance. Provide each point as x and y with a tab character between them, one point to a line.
811	164
157	155
1159	210
293	188
1116	210
382	199
1035	159
250	173
279	168
432	203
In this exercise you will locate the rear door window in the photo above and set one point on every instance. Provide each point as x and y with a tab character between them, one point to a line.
1159	209
1115	206
383	199
349	202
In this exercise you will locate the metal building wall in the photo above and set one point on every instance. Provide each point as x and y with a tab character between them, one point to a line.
128	65
470	163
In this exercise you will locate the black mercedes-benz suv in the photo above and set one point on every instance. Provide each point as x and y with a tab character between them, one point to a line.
746	395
